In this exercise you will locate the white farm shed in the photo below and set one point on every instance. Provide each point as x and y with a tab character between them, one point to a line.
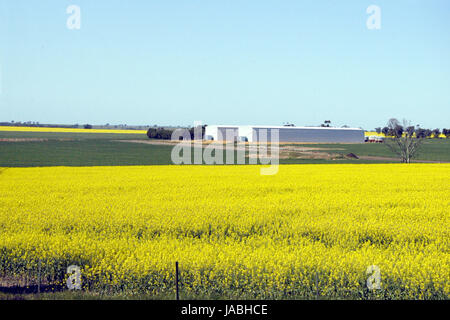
286	134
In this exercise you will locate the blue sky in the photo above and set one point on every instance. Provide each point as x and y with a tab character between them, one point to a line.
225	62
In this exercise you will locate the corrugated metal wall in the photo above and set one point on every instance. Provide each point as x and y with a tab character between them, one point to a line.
288	134
312	135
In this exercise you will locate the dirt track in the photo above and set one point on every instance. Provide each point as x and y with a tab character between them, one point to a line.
286	152
31	140
22	139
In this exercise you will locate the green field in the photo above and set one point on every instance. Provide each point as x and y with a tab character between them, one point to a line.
89	152
72	135
102	149
432	149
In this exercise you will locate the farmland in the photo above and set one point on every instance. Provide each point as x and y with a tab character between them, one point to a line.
310	231
112	203
91	148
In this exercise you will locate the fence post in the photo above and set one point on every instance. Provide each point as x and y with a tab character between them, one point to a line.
39	276
176	281
317	286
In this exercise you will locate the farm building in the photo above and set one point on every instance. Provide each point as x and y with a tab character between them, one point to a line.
286	134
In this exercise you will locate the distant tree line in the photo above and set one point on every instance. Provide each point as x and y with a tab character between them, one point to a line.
37	124
71	126
395	130
166	134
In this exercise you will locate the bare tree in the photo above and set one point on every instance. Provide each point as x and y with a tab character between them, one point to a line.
393	123
402	140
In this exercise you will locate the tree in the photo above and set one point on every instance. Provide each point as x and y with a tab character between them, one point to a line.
385	131
87	126
378	130
421	133
403	142
436	133
396	131
393	123
410	130
192	132
159	133
446	132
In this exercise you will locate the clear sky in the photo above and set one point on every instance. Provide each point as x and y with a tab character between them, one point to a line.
225	62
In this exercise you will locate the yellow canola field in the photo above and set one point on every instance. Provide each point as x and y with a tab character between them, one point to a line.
308	230
74	130
374	133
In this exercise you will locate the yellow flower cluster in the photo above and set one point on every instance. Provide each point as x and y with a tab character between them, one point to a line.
73	130
308	230
374	133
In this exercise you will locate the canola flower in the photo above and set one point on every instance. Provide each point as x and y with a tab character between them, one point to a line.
308	230
73	130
